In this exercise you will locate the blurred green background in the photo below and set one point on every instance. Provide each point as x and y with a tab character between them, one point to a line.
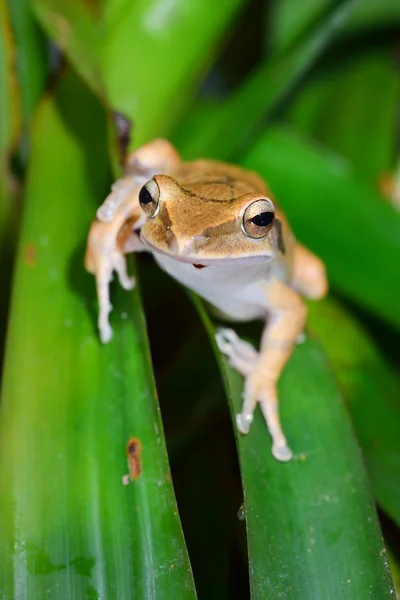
306	92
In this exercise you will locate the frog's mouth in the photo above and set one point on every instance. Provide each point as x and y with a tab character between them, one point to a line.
184	259
203	262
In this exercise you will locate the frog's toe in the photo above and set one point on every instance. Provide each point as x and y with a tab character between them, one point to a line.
282	452
243	422
241	355
225	338
106	333
119	265
128	283
301	338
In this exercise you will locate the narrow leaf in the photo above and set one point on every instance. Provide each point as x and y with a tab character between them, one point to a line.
77	416
339	106
311	523
139	66
372	392
31	59
244	113
9	121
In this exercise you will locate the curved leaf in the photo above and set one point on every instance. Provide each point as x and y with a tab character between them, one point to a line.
311	523
262	92
372	392
9	121
139	65
76	416
339	106
31	60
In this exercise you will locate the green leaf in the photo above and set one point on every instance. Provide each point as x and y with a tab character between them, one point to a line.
75	29
169	45
226	131
349	225
290	18
373	14
139	64
31	60
9	125
395	570
372	392
311	523
69	528
343	102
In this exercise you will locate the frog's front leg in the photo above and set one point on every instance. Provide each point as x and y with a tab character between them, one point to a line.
112	234
241	355
104	255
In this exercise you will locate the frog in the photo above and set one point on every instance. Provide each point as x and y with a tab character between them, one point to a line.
217	229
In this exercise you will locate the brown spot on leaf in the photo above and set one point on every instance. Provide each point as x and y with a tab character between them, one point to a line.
30	254
133	451
168	477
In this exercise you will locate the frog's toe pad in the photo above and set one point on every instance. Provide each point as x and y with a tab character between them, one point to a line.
301	338
128	283
282	452
106	333
225	339
243	422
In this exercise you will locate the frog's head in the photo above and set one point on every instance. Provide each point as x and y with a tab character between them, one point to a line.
214	217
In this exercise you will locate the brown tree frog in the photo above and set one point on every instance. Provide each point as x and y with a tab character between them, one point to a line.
215	228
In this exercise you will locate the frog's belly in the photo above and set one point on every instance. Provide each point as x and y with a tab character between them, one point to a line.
236	292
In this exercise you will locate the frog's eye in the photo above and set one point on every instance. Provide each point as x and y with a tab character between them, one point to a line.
149	198
258	218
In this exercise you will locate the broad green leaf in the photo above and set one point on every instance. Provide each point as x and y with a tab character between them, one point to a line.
372	392
69	528
354	230
311	523
132	51
341	104
169	45
226	131
31	60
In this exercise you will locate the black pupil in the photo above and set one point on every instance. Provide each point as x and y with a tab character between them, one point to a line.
145	196
263	219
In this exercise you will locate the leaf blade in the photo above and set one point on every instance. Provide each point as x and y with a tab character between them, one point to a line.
69	419
319	545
